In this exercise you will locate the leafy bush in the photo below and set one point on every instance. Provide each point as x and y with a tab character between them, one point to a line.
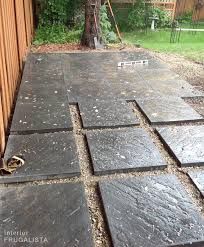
121	15
164	19
57	34
186	17
139	16
59	11
53	12
54	19
107	33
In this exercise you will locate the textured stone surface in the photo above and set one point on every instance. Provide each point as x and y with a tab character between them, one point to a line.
122	90
198	179
190	244
41	64
106	64
42	93
97	76
38	117
155	74
186	143
43	80
95	70
56	214
46	156
151	211
174	87
168	110
123	151
102	114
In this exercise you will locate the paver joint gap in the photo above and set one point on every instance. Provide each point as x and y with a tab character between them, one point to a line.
173	165
99	227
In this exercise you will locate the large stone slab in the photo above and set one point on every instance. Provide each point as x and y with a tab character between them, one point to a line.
158	75
99	77
186	143
107	91
47	156
151	211
39	93
102	114
167	110
44	63
103	67
174	87
43	81
39	117
198	179
46	215
197	104
123	151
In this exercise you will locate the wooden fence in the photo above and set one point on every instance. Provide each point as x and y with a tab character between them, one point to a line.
16	30
184	6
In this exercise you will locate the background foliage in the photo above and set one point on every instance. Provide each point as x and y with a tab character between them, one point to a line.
62	21
106	27
136	17
59	11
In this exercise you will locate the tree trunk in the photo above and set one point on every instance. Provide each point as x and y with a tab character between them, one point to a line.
92	31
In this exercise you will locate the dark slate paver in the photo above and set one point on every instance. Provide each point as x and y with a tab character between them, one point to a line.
198	179
123	151
158	75
103	114
107	91
56	214
38	117
186	143
43	81
167	110
41	93
44	63
47	156
151	211
174	87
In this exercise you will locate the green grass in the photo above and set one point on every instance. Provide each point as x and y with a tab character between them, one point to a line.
56	34
190	46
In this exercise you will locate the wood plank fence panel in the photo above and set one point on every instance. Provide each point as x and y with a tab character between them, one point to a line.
184	6
4	85
16	29
21	29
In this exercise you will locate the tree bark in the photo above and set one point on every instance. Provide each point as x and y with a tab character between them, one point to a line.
92	23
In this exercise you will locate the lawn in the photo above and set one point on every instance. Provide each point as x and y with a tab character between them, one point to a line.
191	45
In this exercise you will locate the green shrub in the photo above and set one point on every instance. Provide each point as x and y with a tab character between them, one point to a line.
121	15
107	33
53	12
164	19
138	15
57	34
186	17
60	11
